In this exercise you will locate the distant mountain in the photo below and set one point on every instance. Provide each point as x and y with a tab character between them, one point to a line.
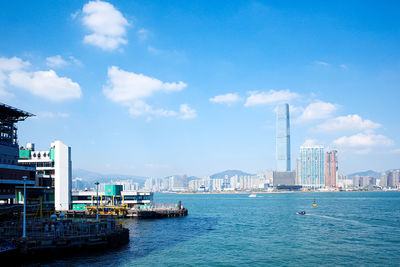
365	173
190	178
89	176
230	173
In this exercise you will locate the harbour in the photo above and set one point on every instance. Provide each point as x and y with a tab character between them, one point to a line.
237	230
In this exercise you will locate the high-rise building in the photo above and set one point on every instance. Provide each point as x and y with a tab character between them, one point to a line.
383	179
331	167
363	181
11	173
282	138
344	181
311	166
393	178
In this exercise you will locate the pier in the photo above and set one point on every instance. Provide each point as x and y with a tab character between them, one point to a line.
158	210
152	210
50	237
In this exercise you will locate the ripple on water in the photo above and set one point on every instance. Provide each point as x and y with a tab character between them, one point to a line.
232	230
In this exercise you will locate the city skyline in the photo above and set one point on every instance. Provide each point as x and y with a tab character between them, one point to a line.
155	94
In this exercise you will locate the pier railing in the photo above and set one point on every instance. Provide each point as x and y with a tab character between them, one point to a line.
160	206
47	229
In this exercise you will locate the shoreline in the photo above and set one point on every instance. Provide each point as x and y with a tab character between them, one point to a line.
281	192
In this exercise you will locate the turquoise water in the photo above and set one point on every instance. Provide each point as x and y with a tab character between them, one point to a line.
230	230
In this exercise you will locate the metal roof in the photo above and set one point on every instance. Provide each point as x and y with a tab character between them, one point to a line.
8	113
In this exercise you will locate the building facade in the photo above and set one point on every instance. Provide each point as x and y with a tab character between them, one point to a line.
364	181
393	179
53	170
284	178
331	167
311	165
283	138
12	174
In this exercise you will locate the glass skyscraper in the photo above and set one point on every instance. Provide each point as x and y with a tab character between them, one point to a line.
310	166
282	138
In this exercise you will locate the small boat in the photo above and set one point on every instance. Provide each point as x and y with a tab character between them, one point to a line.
303	212
253	195
314	204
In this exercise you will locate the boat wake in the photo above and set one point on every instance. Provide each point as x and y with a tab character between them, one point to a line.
354	222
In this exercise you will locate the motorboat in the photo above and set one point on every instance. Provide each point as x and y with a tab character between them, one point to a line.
303	212
253	195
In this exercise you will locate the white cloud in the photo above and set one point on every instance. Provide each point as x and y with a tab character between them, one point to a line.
322	63
124	86
8	65
295	110
310	142
59	62
271	97
131	89
14	71
143	34
107	24
153	50
317	110
75	14
362	140
46	84
75	61
12	64
228	98
187	112
56	62
347	123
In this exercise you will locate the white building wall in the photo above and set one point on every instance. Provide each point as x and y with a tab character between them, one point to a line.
62	176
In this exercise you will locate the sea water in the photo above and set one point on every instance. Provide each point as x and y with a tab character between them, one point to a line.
346	228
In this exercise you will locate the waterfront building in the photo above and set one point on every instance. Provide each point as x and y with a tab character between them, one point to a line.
331	167
284	178
113	195
217	184
283	138
364	181
393	178
344	182
311	166
195	184
53	170
177	183
383	179
11	173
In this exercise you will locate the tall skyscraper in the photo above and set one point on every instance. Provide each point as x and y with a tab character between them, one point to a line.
283	138
311	166
331	167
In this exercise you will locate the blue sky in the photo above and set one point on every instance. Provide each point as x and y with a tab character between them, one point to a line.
156	88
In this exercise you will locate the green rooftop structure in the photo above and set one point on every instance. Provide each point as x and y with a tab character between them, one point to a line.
113	190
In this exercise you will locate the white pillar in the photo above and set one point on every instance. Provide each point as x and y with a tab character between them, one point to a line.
62	176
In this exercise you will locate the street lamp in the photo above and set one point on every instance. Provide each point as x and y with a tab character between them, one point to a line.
97	200
24	225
